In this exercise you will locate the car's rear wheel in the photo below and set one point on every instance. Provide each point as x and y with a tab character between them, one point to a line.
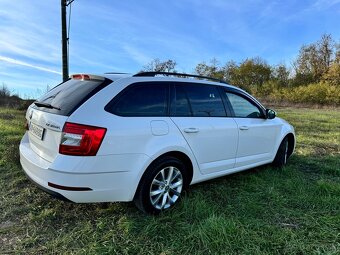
282	154
161	186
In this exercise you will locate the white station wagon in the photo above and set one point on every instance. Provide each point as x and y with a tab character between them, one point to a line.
146	137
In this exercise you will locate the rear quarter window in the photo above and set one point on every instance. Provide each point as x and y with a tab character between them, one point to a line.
141	99
70	95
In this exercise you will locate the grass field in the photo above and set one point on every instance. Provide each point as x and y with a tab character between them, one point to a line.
295	210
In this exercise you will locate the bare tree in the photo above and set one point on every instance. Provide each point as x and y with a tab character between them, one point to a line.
4	91
157	65
213	69
326	47
315	59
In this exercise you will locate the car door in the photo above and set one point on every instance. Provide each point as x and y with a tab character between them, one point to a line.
140	118
199	113
257	134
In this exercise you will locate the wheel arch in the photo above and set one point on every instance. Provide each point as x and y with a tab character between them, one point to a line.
291	143
177	154
184	158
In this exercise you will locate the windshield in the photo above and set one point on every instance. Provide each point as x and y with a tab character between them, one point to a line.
68	96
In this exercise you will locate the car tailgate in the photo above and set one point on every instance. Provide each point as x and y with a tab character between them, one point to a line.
45	130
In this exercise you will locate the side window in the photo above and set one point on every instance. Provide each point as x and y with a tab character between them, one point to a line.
182	107
143	99
242	107
204	100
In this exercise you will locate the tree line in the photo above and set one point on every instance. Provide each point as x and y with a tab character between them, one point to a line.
316	63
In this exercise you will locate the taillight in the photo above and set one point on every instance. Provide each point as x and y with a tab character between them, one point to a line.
81	140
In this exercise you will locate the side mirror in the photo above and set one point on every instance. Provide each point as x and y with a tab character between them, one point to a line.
271	114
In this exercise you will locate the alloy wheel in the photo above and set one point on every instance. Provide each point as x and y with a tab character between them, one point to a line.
166	187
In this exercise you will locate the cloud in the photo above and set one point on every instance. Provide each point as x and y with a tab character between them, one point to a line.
27	32
136	54
324	4
22	63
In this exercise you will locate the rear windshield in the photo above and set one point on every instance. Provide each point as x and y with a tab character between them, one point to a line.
68	96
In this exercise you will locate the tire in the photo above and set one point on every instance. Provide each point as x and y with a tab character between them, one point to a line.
161	186
282	154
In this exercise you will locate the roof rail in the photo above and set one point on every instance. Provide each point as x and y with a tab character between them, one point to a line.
153	74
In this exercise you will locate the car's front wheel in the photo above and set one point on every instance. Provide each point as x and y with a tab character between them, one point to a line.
161	186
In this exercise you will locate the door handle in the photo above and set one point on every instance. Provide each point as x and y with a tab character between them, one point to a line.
244	127
191	130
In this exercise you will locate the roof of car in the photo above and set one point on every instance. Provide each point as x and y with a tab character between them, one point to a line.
168	76
160	76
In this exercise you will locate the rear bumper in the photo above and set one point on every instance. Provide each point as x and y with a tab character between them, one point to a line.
103	186
52	193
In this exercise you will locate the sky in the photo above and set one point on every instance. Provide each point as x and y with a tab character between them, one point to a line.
123	36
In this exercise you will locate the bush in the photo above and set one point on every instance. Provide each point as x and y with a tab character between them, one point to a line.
332	76
317	93
266	89
25	104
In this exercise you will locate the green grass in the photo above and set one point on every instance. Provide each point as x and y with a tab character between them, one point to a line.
295	210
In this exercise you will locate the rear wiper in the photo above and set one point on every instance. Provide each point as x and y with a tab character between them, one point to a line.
46	105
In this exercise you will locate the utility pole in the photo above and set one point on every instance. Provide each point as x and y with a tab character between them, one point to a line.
64	40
